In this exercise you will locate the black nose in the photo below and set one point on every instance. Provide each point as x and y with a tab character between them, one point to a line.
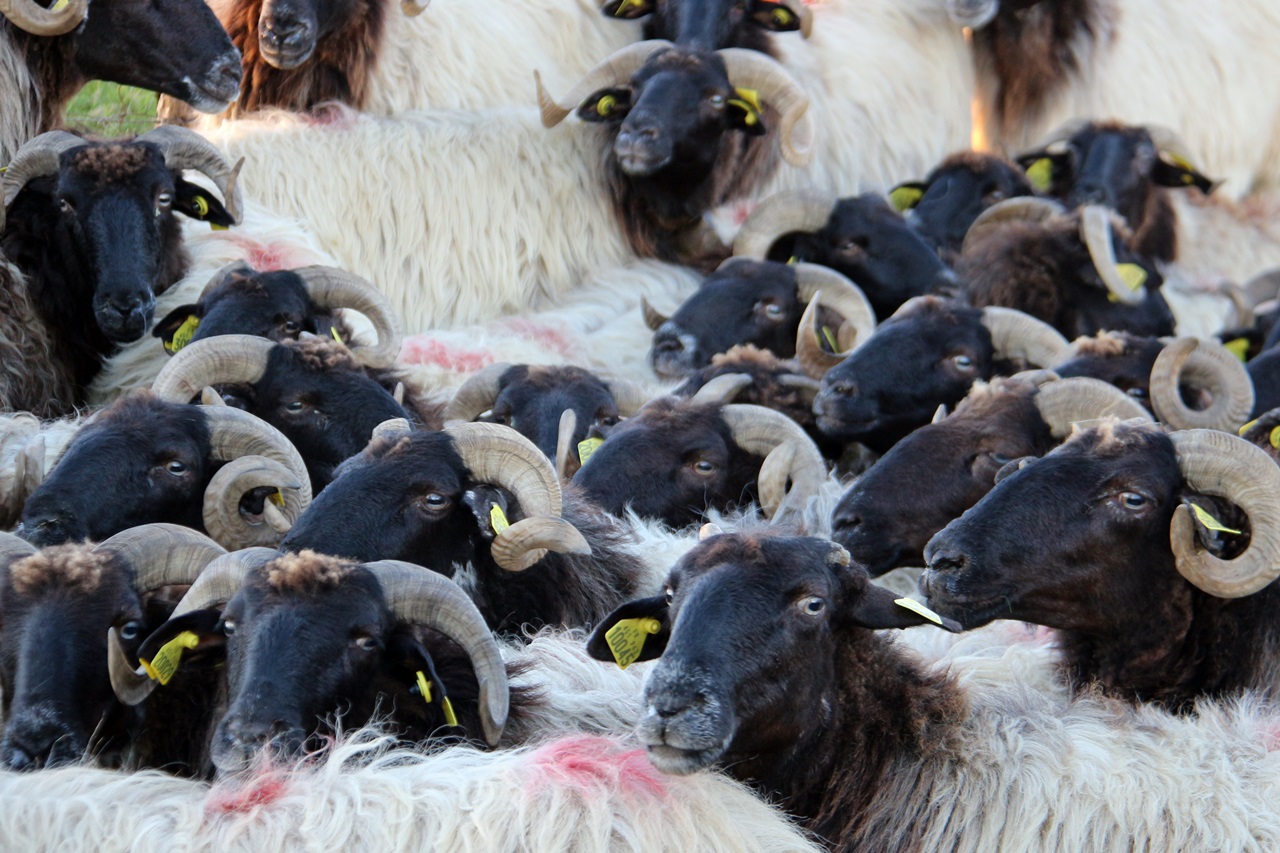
226	70
284	32
844	388
846	520
251	732
45	530
668	345
946	560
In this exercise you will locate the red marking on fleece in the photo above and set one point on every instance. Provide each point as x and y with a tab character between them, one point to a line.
331	115
262	791
597	766
742	210
423	349
547	337
268	257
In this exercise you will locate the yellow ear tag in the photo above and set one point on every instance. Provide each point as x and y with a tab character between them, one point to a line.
626	6
605	105
213	226
1209	521
918	609
905	198
586	447
1040	174
447	706
1274	438
59	6
277	498
183	336
1132	275
1246	427
748	101
165	663
424	686
1239	348
830	339
782	17
202	206
498	519
626	639
333	330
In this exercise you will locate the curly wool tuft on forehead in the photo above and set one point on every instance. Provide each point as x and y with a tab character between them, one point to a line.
110	163
75	568
307	571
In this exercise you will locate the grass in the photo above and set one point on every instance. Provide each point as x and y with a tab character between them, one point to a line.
109	109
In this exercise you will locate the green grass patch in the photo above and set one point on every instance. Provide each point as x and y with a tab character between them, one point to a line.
109	109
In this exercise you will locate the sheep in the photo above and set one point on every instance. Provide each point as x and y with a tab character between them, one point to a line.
758	303
57	607
770	382
940	470
444	500
142	460
766	667
46	56
1203	629
28	448
1041	64
714	25
92	228
926	355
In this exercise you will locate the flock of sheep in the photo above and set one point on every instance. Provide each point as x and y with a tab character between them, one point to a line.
642	424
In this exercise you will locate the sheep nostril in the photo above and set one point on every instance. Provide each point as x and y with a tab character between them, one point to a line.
845	389
668	345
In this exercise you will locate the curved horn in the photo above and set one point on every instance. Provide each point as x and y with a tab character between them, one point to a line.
627	395
1062	133
220	360
13	548
225	273
751	69
258	456
564	444
652	318
614	70
764	432
40	156
186	149
842	296
1263	287
1018	335
1020	209
801	10
721	389
1218	463
424	597
330	287
390	427
1063	402
476	395
781	214
814	360
33	18
499	455
1168	141
1095	232
131	685
1206	366
414	8
163	554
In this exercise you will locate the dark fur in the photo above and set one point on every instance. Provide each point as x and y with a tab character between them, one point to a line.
380	507
815	711
1264	371
1044	270
531	399
708	24
649	463
956	192
1104	575
936	473
767	387
1125	361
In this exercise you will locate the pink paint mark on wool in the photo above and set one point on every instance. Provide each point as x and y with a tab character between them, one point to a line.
1271	736
423	349
548	337
267	257
742	210
331	115
597	765
261	791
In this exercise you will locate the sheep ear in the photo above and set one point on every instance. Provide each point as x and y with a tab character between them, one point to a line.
605	105
775	17
177	327
636	631
746	112
1175	172
627	10
198	203
1046	171
197	632
877	608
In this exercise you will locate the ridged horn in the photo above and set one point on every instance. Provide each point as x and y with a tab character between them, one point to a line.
258	456
652	317
1263	287
801	10
330	287
722	389
1020	209
476	395
1066	401
186	149
220	360
414	8
1221	464
499	455
627	395
764	432
163	554
423	597
40	156
1205	366
842	296
751	69
613	71
814	360
1095	232
565	460
390	427
780	214
33	18
1018	335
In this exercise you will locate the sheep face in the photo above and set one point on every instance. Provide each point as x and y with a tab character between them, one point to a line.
289	29
176	47
749	302
531	399
272	305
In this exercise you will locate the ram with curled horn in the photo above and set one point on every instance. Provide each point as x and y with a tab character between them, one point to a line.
1065	268
758	303
862	238
477	498
211	468
1187	522
374	642
56	608
313	390
687	130
926	355
110	207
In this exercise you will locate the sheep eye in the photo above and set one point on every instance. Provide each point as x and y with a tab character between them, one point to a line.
1137	393
716	100
228	627
773	311
962	361
291	328
671	595
435	500
995	196
130	630
164	199
1133	500
176	468
704	467
366	644
64	205
1001	459
811	606
294	407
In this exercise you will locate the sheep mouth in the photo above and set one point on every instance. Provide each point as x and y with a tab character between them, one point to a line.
971	611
